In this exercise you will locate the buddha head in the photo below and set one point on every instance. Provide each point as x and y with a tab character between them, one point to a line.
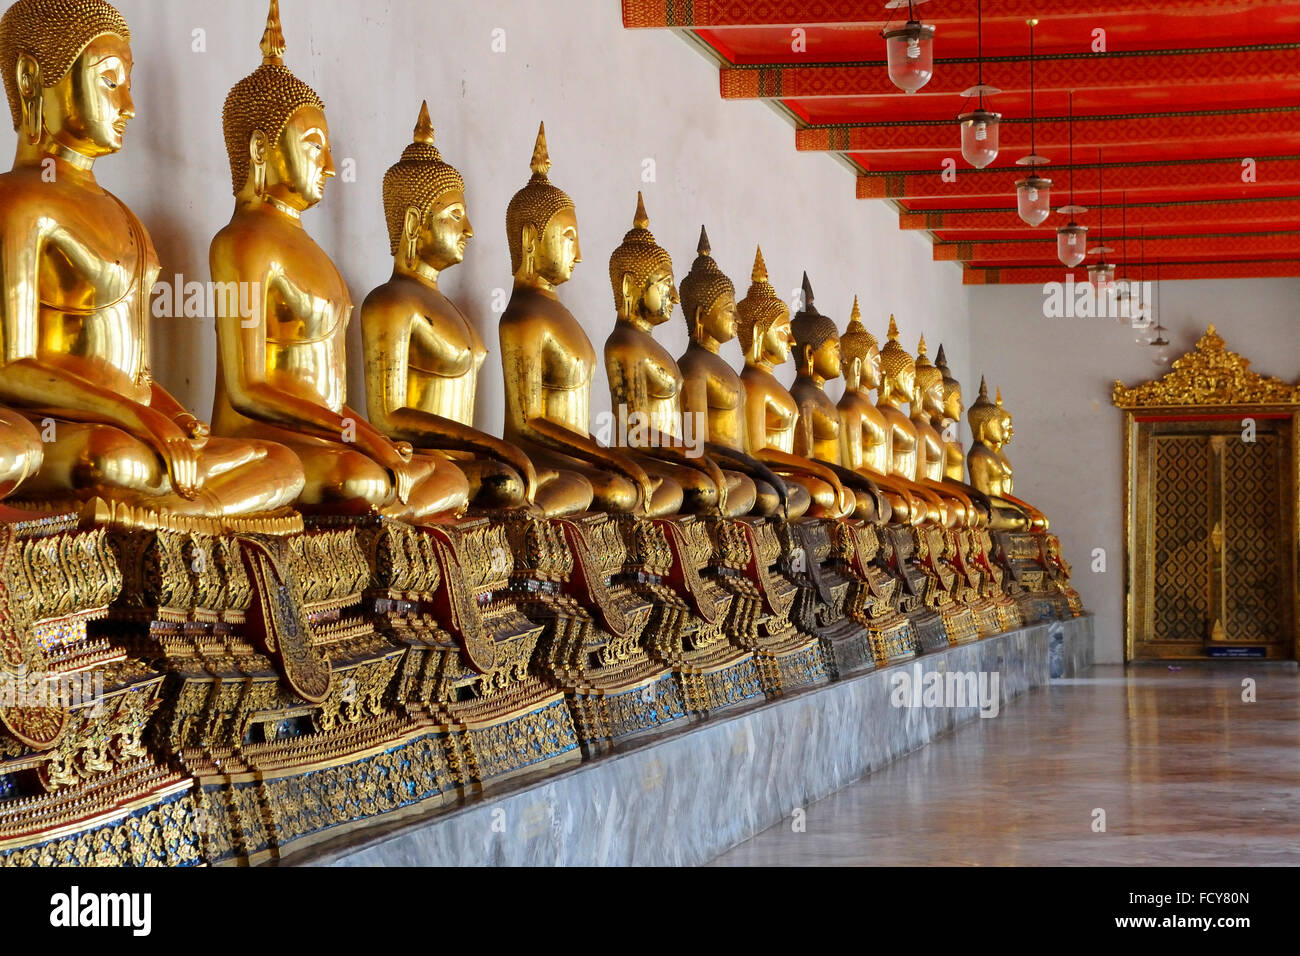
897	369
276	135
929	383
952	403
859	353
763	320
424	204
708	299
641	273
986	419
542	225
816	340
67	71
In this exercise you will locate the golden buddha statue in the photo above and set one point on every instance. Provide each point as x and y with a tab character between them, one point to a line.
422	355
927	409
770	410
990	470
906	453
645	381
548	360
282	370
712	391
79	267
864	431
954	456
817	345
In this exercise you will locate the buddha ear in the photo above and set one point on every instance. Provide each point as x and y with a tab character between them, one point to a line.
27	73
257	145
807	355
527	242
629	291
410	244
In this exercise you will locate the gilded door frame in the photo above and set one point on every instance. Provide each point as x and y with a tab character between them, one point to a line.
1215	382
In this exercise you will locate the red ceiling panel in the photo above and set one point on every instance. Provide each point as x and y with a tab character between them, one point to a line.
1175	94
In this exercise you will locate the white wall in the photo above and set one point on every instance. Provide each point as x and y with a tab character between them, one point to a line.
610	97
1056	377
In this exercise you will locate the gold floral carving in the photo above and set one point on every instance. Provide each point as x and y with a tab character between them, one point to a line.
1210	374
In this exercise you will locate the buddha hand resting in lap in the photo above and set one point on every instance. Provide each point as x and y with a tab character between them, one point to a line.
282	371
548	359
422	354
77	269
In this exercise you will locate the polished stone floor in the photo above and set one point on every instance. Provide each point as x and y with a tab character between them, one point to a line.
1185	770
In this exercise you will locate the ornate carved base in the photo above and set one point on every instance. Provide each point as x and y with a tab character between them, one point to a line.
1038	577
754	558
669	563
569	576
864	550
831	602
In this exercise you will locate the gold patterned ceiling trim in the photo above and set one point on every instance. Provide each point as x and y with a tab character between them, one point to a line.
1210	374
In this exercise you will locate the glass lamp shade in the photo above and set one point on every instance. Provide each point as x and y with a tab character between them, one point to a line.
910	50
1072	244
979	137
1102	277
1034	199
1159	351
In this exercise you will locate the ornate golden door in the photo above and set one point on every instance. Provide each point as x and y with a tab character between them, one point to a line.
1211	532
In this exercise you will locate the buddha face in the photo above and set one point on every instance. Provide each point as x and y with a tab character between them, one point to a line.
952	405
301	161
87	111
556	252
446	231
778	340
871	368
720	321
659	297
932	399
826	360
1008	429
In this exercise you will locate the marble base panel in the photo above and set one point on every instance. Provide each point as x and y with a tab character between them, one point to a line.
684	798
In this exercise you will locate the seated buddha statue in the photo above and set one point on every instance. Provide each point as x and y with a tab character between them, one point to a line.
954	456
646	381
78	268
712	391
990	470
927	408
770	410
548	359
817	435
864	432
282	371
423	356
907	454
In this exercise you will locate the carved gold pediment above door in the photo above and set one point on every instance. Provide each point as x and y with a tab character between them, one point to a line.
1211	486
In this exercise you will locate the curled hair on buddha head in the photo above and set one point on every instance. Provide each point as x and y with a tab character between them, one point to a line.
894	359
536	204
53	33
811	329
927	374
704	284
982	411
418	180
638	255
856	342
264	100
760	309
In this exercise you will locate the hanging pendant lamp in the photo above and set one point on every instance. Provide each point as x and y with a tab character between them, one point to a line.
979	127
1034	192
1072	240
909	49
